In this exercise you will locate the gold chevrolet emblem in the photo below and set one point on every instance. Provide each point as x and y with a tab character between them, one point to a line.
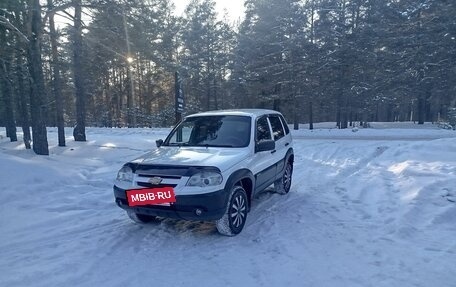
155	180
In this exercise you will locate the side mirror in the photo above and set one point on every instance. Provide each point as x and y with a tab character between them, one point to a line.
265	145
159	142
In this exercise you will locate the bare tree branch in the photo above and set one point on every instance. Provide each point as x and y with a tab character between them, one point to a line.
6	23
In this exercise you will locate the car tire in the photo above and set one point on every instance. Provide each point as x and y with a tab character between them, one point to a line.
140	218
233	220
282	185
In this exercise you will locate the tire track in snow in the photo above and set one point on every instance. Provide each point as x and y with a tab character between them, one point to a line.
271	205
305	207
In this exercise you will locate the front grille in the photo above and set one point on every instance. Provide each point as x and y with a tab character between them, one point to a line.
151	180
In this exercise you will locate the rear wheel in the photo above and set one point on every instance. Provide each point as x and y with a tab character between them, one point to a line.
283	184
233	220
140	218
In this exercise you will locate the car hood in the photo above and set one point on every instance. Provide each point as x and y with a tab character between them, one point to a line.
222	158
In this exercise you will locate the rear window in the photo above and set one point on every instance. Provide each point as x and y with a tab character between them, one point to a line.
263	132
285	125
277	128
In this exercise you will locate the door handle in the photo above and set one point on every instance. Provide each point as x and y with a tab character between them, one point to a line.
273	151
287	144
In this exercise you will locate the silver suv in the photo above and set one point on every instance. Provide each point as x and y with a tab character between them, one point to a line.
209	168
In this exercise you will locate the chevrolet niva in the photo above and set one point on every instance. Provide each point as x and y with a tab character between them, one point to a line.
209	168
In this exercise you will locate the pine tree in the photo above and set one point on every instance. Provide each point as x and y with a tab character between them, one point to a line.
39	133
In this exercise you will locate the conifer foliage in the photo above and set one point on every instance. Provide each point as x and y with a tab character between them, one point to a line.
78	63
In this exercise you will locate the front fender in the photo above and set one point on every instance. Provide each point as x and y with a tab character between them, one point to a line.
247	180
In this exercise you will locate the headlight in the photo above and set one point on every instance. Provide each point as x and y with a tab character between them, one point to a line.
125	174
205	178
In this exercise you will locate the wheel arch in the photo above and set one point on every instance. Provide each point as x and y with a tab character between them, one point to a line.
290	155
244	178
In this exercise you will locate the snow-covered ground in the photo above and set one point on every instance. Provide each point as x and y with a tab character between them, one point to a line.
370	207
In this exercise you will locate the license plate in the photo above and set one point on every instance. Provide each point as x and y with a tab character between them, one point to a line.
151	196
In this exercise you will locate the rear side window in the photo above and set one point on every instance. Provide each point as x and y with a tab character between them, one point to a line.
277	128
285	125
263	132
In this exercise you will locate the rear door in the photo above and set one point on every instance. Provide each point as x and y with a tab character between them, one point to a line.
282	142
264	167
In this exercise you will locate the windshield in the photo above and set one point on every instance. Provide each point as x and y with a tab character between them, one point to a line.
211	131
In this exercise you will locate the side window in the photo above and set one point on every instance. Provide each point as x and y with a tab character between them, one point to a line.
262	131
285	125
277	128
182	134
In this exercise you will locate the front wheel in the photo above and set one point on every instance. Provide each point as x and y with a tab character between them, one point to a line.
233	220
283	184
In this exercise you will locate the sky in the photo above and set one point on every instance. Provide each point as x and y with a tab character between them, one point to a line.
235	8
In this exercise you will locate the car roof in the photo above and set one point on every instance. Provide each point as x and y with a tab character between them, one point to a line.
237	112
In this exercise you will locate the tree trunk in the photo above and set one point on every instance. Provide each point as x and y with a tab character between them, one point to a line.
130	110
8	100
421	110
311	125
344	118
24	116
338	116
215	94
56	81
21	94
79	129
208	93
131	105
6	85
40	143
340	94
295	117
276	105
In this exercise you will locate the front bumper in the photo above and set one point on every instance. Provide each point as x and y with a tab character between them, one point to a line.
212	206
